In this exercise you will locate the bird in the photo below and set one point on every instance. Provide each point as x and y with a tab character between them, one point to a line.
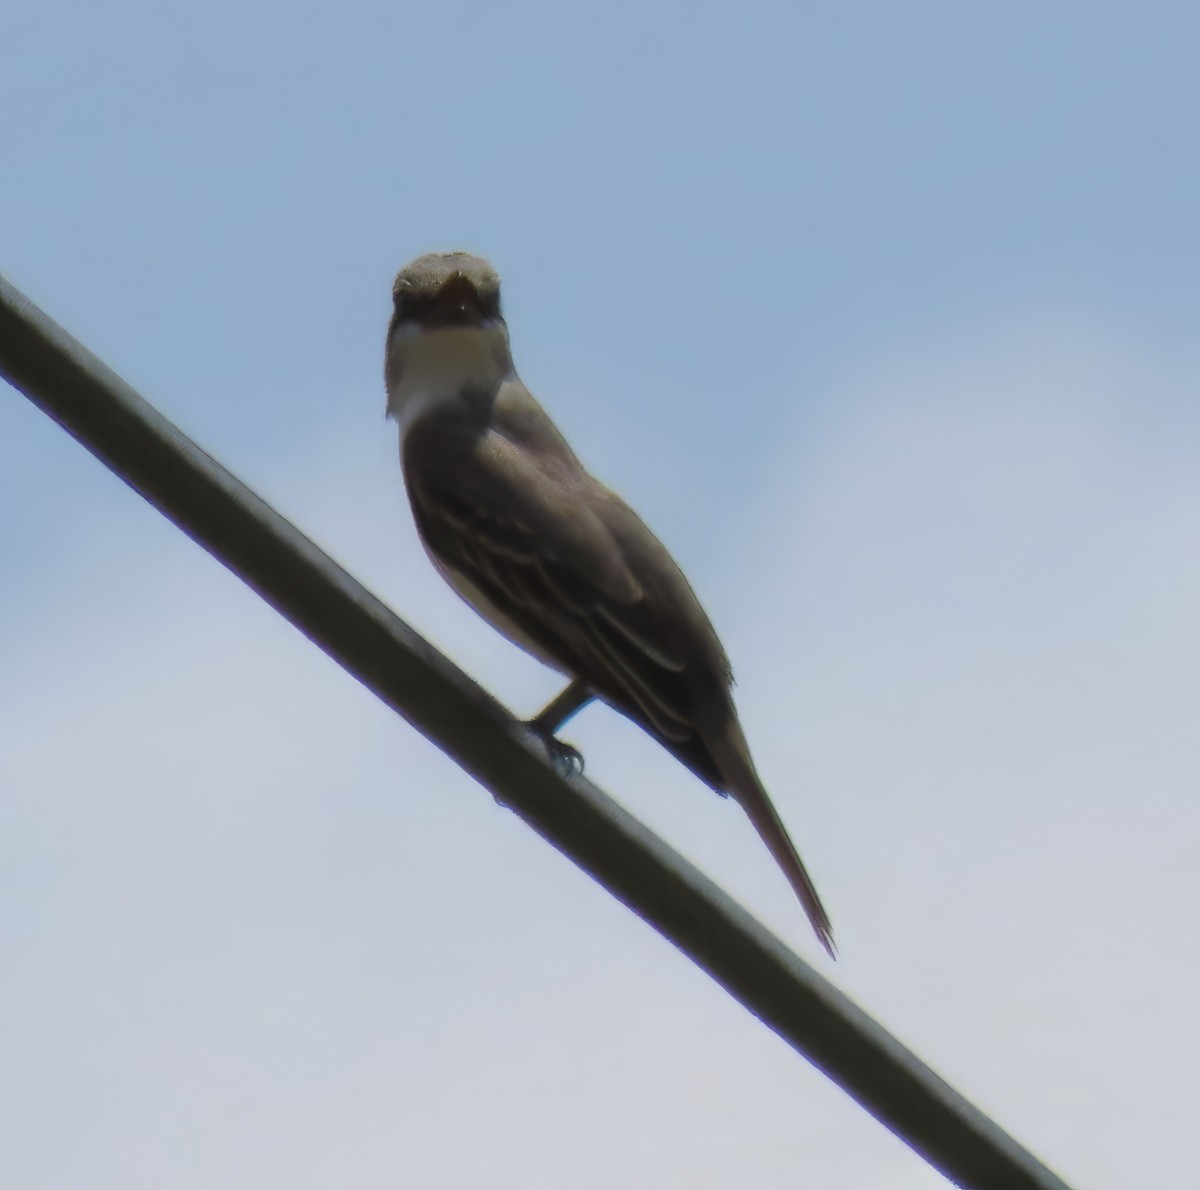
551	557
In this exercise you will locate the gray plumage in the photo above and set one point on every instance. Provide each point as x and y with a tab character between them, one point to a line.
549	555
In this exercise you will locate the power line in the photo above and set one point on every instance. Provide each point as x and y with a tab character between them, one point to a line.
363	636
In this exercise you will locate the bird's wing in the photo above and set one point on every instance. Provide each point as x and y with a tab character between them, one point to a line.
520	527
575	570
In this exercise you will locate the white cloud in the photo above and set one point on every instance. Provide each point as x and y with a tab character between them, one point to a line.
986	694
258	931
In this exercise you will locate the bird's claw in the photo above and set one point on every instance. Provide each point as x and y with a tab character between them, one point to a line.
567	761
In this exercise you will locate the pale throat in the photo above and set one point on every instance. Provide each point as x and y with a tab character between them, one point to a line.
427	369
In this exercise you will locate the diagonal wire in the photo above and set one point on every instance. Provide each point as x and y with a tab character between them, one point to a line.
334	611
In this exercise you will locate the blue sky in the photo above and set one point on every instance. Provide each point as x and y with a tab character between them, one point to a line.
884	318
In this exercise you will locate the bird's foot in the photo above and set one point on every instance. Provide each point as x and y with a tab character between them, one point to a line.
567	761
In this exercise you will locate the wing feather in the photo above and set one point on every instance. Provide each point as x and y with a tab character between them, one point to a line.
548	563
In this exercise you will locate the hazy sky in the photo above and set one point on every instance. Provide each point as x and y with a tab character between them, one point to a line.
885	318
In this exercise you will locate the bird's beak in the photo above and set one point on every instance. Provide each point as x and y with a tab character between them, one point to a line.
457	303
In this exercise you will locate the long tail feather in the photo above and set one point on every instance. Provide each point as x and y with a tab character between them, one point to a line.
734	758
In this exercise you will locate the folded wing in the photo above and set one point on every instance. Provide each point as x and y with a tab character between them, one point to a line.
533	543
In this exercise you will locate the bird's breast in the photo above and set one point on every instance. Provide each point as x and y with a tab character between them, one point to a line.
429	370
478	601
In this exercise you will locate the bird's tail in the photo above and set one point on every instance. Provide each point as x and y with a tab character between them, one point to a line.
733	757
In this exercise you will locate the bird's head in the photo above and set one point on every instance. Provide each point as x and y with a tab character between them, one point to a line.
446	289
447	334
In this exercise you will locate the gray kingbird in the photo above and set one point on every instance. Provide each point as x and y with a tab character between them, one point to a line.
548	555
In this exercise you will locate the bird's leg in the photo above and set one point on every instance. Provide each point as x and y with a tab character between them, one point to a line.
553	716
562	707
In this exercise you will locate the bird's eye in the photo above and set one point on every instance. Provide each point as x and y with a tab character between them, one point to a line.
408	303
